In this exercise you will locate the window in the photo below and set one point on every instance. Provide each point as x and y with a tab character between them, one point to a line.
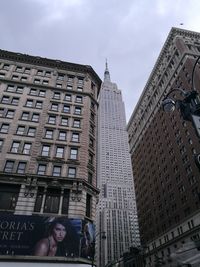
91	143
48	73
36	81
60	76
59	85
19	89
72	172
54	107
33	91
45	82
35	117
45	150
40	72
15	147
20	130
15	77
41	169
65	204
25	116
2	75
64	121
11	88
90	158
38	104
56	95
39	198
66	109
31	131
52	201
75	137
26	148
1	144
19	68
8	196
4	128
62	135
21	167
49	134
90	177
69	87
6	66
79	99
29	103
10	114
77	123
9	166
56	171
23	78
80	89
42	93
5	99
52	120
15	101
88	205
77	111
59	152
68	97
73	153
27	70
70	79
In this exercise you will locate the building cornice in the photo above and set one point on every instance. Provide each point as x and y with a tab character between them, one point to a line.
174	33
51	63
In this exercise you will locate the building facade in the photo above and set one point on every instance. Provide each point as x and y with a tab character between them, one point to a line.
164	149
116	209
48	133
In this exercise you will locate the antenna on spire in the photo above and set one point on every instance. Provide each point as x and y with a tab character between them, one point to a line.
106	73
106	64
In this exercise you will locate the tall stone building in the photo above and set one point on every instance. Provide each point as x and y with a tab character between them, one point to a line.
164	148
48	131
116	210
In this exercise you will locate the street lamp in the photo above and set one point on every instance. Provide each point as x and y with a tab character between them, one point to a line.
189	104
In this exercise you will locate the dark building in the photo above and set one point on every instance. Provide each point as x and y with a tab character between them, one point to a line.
48	129
164	147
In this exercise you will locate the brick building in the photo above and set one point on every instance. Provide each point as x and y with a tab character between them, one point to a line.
163	149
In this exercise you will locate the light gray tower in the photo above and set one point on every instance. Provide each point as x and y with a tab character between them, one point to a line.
116	210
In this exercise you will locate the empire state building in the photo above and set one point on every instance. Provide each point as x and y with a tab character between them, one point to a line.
116	209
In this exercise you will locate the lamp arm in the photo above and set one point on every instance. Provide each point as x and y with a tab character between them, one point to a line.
176	89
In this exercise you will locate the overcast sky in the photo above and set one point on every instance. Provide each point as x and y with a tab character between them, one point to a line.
129	33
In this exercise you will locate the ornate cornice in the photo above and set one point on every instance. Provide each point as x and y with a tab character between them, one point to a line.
153	91
174	33
51	63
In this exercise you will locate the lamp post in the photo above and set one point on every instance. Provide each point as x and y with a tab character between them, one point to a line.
103	236
189	104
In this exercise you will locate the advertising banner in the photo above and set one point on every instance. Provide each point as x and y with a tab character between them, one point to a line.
45	236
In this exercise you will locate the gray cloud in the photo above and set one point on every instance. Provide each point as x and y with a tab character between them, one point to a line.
129	33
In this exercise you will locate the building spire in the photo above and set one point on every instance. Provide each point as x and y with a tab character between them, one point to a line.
106	73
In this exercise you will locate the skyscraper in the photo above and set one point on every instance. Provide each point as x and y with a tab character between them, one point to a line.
163	151
116	210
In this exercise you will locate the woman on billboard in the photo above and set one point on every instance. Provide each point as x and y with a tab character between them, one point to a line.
58	241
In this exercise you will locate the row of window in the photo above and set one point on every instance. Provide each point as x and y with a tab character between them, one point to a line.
40	72
20	167
35	118
43	81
